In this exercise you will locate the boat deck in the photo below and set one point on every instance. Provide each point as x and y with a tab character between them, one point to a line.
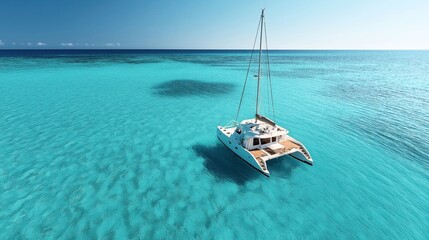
258	154
278	149
287	147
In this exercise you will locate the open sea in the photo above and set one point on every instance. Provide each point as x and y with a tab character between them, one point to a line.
122	145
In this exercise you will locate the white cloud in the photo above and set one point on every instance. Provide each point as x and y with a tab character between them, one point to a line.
41	44
1	43
113	44
29	44
13	43
67	44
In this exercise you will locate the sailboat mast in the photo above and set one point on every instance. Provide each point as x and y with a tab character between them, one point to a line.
259	65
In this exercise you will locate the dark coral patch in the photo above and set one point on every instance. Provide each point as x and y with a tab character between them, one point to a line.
182	88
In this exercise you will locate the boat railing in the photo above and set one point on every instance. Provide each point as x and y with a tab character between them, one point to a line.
231	124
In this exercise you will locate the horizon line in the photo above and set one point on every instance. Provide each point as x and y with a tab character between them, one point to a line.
214	49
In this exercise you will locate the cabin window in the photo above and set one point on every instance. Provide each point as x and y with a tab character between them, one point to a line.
265	141
273	139
255	141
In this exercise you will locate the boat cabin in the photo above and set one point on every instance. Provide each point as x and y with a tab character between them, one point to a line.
259	134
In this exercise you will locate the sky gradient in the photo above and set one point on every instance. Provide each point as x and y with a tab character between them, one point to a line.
222	24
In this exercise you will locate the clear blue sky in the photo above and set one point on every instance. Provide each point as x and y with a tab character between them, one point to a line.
225	24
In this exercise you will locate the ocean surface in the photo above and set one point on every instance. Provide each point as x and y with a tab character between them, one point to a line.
122	144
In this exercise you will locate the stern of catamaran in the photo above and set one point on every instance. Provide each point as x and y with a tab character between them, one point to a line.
230	136
272	140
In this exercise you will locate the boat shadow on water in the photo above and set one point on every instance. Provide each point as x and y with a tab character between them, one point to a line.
225	165
186	87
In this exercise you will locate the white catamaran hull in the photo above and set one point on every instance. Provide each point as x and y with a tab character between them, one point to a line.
257	158
298	155
239	150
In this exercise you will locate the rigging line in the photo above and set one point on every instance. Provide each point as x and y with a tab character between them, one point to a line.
267	88
268	92
267	81
266	74
269	72
248	69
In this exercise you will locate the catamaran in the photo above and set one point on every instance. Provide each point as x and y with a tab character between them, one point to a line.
260	139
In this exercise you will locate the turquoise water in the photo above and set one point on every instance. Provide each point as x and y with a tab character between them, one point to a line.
123	145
